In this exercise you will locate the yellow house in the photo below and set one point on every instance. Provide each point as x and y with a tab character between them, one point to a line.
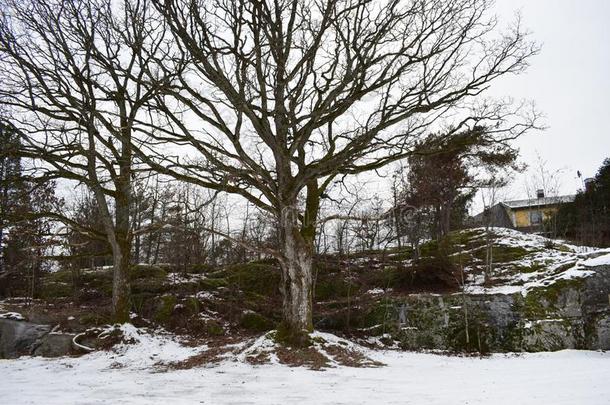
534	212
525	215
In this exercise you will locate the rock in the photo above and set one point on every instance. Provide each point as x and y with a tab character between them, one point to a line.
568	314
55	345
19	338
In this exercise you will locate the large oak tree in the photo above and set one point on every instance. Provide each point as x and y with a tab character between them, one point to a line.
279	98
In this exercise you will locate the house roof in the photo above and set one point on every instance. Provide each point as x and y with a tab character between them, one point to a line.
537	202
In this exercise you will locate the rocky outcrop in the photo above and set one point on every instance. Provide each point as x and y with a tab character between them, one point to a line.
21	338
570	313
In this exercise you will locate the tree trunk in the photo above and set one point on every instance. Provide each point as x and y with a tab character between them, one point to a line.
296	266
120	282
122	247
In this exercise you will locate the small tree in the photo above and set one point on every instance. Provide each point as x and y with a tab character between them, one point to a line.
445	172
71	75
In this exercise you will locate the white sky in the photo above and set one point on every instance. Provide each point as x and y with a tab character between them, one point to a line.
569	81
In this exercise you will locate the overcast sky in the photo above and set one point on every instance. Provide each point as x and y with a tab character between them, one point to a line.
570	83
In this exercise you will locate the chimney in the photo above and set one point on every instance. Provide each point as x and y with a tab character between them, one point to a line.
589	183
539	194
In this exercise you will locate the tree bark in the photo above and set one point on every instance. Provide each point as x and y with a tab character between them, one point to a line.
296	265
120	282
121	304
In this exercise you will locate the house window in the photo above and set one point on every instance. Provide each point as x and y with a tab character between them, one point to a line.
535	217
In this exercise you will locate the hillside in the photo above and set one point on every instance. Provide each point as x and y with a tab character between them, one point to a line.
363	295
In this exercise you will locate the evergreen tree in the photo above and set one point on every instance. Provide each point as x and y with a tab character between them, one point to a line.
445	172
24	227
10	173
587	219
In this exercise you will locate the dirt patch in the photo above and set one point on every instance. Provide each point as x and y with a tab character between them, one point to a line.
309	357
211	356
349	357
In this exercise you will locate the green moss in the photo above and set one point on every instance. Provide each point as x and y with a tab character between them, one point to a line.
254	277
192	305
52	290
331	288
62	276
255	322
469	238
471	334
165	308
150	285
405	253
141	271
142	301
287	336
476	340
95	318
199	268
212	283
533	267
213	328
541	302
101	280
429	248
504	254
382	313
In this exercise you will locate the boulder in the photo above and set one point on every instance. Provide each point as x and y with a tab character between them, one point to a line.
20	338
55	345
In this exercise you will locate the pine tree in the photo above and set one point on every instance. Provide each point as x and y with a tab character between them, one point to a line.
10	172
24	229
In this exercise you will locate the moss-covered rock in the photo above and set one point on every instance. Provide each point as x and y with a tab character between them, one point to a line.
165	308
55	289
503	253
260	278
212	283
147	271
213	328
192	305
255	322
334	287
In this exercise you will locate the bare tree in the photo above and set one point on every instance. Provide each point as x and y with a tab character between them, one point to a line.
284	97
543	184
71	74
490	196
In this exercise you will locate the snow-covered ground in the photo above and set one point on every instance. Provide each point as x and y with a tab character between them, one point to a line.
552	260
128	376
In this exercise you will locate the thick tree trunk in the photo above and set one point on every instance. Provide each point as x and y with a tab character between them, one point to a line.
121	303
120	282
296	266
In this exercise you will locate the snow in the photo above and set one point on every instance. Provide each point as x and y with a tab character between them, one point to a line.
12	315
376	291
126	377
603	260
557	261
179	278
